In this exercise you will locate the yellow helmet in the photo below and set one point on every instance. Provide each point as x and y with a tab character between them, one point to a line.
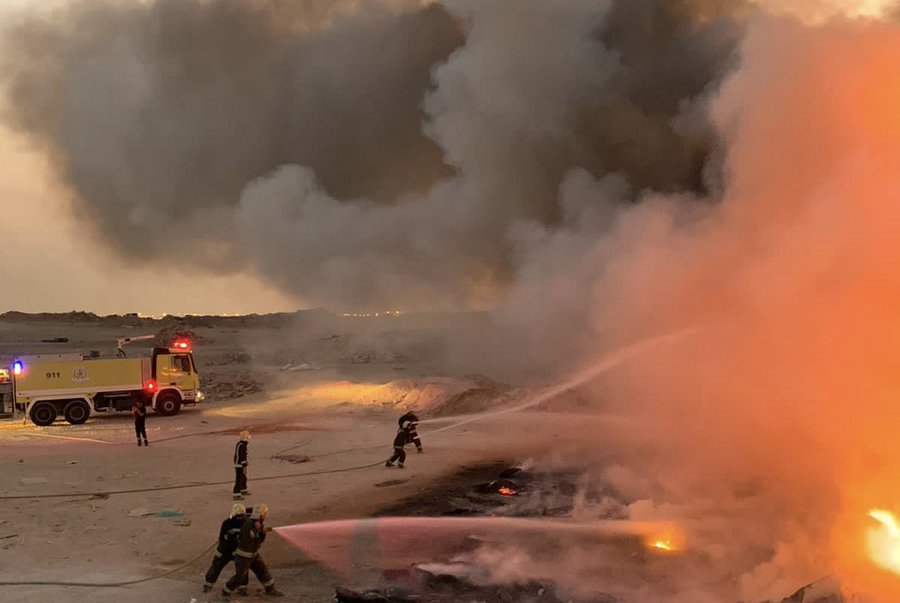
245	436
259	512
238	509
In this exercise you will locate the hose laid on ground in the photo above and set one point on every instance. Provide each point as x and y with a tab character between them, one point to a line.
302	443
131	443
346	450
109	584
185	486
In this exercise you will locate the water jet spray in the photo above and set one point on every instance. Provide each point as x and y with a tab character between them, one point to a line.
602	365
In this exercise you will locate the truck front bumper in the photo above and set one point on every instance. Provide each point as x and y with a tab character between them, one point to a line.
193	397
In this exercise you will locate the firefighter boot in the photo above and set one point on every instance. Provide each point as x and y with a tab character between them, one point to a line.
146	443
400	466
207	587
271	591
242	591
420	450
388	464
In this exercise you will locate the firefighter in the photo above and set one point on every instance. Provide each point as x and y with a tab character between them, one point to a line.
139	411
228	542
400	440
247	557
240	467
409	423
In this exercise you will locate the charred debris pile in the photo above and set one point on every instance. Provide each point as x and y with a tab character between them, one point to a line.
497	490
501	490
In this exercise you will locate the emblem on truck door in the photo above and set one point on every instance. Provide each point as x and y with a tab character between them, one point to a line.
79	373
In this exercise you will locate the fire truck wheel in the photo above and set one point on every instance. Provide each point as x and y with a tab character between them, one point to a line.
168	404
43	414
77	412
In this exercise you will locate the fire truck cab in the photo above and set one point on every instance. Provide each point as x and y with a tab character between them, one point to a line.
76	386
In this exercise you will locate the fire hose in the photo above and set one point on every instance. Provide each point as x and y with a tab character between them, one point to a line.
110	584
187	563
186	486
137	490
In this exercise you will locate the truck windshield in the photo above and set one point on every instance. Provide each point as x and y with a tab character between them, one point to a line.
181	362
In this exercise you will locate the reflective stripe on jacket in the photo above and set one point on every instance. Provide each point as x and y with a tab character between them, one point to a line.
251	537
240	454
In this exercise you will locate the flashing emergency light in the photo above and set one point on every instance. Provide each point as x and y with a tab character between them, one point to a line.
181	345
18	368
150	386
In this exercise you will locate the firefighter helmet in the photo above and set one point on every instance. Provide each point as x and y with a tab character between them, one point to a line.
259	512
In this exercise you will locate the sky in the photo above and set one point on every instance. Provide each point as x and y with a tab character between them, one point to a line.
49	263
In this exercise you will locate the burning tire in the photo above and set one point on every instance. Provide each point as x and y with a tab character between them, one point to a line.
77	412
168	404
43	414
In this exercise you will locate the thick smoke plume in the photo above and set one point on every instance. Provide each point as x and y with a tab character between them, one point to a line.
360	154
772	429
159	114
598	172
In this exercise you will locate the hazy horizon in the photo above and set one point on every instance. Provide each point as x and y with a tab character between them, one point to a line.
50	265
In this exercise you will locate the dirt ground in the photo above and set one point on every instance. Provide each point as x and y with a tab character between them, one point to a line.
324	402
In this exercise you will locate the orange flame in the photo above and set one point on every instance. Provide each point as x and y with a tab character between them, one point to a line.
507	492
883	540
669	539
663	545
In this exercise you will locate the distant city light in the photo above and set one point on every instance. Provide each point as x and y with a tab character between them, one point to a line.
371	314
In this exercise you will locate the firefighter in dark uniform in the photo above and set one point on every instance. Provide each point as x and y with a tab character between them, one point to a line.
139	411
228	542
409	422
400	441
247	557
240	467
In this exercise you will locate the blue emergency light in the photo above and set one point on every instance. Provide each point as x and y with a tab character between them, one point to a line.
18	367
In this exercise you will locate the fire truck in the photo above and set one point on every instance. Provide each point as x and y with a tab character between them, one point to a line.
77	386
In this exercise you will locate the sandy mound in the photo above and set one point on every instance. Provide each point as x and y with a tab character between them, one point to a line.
434	396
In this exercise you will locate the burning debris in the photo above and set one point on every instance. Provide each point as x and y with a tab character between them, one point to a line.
822	591
420	586
466	572
500	490
504	485
510	492
663	545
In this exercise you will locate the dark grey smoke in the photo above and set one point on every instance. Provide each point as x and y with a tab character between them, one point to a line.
158	115
382	153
